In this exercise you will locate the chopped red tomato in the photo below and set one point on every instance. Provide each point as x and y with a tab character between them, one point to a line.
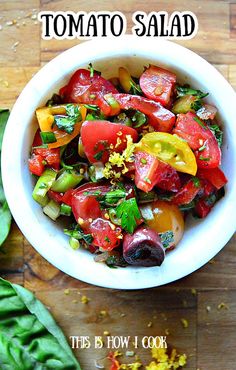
67	197
187	193
42	157
149	171
36	164
202	208
84	204
200	139
58	197
214	175
87	89
158	84
51	156
105	234
99	138
159	117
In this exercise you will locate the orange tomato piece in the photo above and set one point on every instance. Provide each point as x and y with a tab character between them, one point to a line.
45	118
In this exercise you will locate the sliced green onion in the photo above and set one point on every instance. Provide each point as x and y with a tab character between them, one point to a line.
48	137
65	210
52	210
42	186
74	243
67	180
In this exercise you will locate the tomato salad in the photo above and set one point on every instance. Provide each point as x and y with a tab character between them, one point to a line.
126	160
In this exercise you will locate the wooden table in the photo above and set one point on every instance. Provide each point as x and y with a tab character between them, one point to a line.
209	340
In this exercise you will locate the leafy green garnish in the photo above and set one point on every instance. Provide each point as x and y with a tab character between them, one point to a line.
187	90
67	123
196	181
5	215
129	213
135	88
202	147
78	234
215	129
167	238
196	105
29	336
206	159
90	67
98	155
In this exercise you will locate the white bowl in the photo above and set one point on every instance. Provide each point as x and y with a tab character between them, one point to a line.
202	240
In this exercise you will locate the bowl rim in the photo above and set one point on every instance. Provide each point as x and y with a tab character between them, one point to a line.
134	278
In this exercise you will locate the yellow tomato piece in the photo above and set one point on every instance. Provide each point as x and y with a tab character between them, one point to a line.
163	216
125	79
169	149
45	118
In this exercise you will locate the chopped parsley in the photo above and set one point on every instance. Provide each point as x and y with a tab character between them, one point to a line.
129	213
98	155
106	239
196	105
187	90
167	238
67	123
215	129
206	159
135	88
196	181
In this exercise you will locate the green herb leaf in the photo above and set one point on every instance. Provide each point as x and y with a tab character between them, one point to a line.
129	213
215	129
67	123
98	155
5	215
196	181
78	234
196	105
90	67
135	88
29	336
206	159
167	238
203	147
186	90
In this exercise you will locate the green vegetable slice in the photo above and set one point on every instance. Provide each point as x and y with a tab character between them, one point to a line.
42	186
30	339
67	180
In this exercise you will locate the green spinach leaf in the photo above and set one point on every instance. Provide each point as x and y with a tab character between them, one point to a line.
29	337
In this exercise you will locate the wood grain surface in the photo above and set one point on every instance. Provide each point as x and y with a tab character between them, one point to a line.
209	340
